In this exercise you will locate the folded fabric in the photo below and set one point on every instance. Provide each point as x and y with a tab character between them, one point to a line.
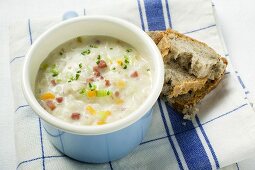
222	133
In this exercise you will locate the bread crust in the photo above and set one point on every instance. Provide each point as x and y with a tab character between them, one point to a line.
183	96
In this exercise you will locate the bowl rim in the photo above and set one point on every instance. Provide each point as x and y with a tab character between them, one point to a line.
102	129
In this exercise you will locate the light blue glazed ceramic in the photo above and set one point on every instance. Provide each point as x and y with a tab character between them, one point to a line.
99	148
94	144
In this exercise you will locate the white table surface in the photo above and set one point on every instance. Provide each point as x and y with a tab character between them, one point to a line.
235	18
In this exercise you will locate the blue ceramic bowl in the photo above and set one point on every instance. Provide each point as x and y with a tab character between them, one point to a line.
94	144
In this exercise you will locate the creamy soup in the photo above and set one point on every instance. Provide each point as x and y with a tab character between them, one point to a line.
93	80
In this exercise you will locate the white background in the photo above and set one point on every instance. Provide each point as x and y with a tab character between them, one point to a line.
235	18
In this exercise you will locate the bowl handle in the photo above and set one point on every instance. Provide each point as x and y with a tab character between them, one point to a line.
69	15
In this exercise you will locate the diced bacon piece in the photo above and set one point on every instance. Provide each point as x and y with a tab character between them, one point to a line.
75	116
96	71
134	74
97	74
107	83
51	105
101	77
89	80
53	82
102	64
95	68
59	99
117	93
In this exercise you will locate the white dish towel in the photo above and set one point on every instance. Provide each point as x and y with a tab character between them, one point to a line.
221	134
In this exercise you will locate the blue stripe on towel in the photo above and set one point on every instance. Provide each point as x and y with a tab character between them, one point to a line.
208	142
26	105
34	159
141	14
30	32
237	166
200	29
110	164
189	142
42	147
15	58
40	124
168	135
154	14
241	82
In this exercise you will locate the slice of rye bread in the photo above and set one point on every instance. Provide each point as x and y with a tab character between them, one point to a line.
194	56
186	103
182	89
177	80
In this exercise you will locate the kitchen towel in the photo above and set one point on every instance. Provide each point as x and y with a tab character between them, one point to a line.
222	133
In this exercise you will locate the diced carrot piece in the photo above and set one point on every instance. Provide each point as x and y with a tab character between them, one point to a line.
91	93
118	101
120	62
121	84
101	122
91	110
47	96
51	105
104	115
75	116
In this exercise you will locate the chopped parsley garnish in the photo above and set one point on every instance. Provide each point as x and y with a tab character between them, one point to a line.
77	76
103	93
44	66
79	71
86	52
129	50
71	79
80	65
61	52
148	69
125	66
93	46
79	39
58	80
92	86
98	59
82	91
54	72
114	68
111	48
126	59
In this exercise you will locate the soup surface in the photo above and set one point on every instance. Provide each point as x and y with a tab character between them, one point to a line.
93	80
